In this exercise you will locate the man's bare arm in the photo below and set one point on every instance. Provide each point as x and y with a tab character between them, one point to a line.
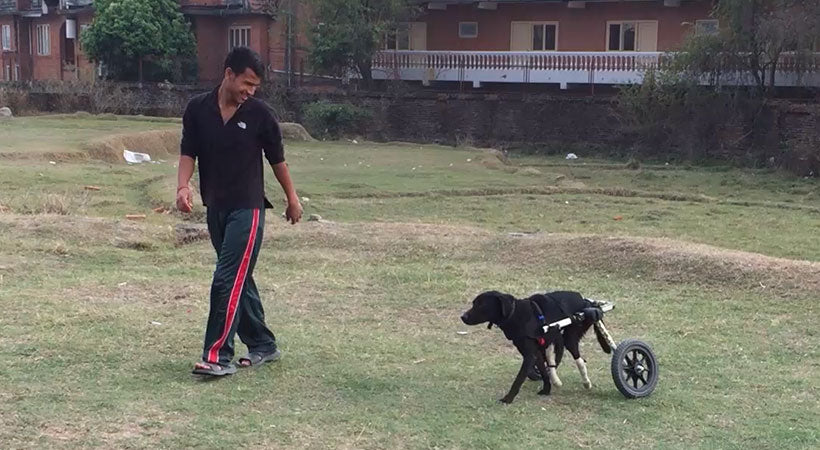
294	209
185	198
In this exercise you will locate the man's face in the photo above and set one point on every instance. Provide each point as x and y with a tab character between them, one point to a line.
243	85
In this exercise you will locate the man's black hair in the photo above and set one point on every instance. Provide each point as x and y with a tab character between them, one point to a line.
241	58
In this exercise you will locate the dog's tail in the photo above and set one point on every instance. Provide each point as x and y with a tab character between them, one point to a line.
602	340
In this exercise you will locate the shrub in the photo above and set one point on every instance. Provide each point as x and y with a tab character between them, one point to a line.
335	120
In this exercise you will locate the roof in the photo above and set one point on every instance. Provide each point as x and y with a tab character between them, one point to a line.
469	2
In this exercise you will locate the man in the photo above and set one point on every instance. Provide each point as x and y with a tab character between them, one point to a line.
228	131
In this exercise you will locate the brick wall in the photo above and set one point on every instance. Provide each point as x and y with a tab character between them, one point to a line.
550	122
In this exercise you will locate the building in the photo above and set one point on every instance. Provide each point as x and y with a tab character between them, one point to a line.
39	39
560	42
220	25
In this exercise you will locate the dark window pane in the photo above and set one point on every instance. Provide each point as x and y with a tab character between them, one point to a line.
538	37
629	37
404	39
615	36
550	37
468	29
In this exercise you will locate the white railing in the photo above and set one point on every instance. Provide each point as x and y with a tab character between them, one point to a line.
542	67
517	60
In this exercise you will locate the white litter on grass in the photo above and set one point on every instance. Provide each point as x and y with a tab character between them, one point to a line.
122	284
156	323
305	200
469	159
135	157
355	141
461	332
52	163
572	156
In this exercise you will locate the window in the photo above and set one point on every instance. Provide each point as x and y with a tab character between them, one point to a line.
83	27
632	36
544	36
43	40
407	36
239	37
7	73
398	39
622	36
5	37
707	27
468	29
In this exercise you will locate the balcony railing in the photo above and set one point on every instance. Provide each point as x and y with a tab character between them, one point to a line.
550	67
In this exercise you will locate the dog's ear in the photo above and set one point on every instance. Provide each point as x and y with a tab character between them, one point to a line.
506	302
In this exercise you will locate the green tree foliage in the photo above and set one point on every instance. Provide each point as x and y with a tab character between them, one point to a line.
756	38
348	32
127	33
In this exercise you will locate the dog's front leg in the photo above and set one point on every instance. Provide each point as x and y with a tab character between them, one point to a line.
539	360
529	359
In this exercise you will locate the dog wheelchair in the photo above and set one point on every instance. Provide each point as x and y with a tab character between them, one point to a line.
634	367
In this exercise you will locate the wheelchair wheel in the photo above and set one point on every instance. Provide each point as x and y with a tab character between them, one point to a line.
634	368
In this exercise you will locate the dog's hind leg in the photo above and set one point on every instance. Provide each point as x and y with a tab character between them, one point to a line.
572	346
582	368
553	366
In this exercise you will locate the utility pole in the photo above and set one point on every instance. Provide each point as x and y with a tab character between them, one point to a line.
289	36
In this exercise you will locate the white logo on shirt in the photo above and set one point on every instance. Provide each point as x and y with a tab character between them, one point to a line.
242	125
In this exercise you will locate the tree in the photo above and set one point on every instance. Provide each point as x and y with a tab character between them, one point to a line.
349	32
757	37
129	32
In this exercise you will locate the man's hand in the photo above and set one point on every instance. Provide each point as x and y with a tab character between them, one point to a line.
294	211
185	199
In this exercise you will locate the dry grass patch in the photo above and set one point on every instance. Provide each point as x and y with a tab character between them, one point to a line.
160	143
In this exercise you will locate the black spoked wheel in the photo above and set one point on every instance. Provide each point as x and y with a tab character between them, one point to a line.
634	368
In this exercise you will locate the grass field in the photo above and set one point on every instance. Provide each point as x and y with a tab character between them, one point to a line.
103	317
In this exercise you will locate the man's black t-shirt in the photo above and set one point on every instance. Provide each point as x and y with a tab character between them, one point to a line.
230	154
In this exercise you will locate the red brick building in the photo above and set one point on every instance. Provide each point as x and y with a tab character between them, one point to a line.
558	25
39	39
558	42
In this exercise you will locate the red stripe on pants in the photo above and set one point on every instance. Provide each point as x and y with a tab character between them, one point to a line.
238	284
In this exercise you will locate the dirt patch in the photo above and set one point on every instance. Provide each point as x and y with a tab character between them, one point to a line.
654	259
673	261
187	233
575	188
158	144
528	171
295	132
88	230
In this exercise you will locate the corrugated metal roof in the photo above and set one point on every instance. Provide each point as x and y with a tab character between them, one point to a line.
467	2
8	5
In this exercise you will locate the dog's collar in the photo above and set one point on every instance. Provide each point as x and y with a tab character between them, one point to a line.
506	319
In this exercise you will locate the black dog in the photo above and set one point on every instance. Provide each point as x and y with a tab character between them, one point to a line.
522	321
